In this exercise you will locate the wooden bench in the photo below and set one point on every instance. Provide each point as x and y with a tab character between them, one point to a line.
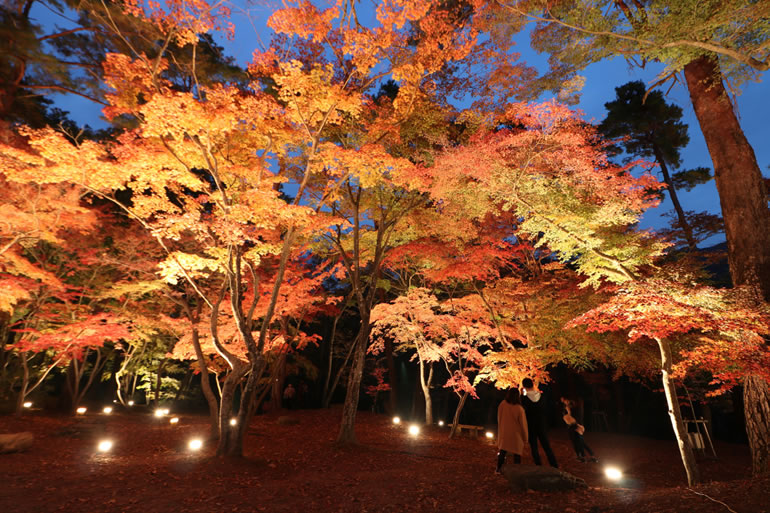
470	428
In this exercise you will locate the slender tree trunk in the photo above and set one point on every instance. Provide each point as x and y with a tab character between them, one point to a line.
24	383
456	419
683	224
425	384
685	449
211	399
392	378
347	434
327	399
743	198
158	382
331	360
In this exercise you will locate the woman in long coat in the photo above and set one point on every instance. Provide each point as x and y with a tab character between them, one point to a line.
512	432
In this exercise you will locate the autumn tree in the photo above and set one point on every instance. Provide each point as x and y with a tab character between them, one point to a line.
712	42
725	324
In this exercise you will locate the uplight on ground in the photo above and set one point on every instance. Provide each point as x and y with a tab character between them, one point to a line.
396	420
414	430
130	403
107	410
490	435
81	411
613	473
233	422
104	446
196	444
28	404
440	423
174	420
159	412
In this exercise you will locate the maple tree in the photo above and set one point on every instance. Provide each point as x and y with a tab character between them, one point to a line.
711	42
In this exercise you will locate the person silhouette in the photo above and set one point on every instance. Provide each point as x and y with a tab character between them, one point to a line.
534	407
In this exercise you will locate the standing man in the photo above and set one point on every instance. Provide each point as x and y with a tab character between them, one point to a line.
535	410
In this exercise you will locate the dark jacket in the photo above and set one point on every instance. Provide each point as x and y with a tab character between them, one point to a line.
535	411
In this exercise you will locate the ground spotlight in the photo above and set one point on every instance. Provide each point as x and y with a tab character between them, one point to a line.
81	411
613	473
195	444
233	422
414	430
174	420
166	411
159	412
104	446
130	403
396	420
28	404
490	435
107	410
440	422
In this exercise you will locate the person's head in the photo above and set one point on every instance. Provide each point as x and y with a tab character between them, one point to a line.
527	383
513	396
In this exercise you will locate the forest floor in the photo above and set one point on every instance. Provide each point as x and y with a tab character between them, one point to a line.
299	468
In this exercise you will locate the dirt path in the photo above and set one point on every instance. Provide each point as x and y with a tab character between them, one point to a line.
298	468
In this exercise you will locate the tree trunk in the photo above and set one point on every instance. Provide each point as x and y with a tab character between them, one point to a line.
230	440
347	434
158	382
683	224
392	378
456	419
24	383
330	393
685	449
756	404
738	178
743	198
211	399
425	384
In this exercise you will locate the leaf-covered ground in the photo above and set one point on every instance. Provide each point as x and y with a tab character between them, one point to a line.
299	468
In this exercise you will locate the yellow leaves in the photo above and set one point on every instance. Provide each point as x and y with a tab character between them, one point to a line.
179	265
311	97
132	80
11	292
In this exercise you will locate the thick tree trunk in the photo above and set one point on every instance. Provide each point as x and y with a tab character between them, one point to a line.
743	198
456	420
738	178
230	440
347	434
685	449
683	224
756	404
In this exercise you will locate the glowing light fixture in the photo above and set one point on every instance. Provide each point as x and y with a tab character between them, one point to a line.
174	420
613	473
233	422
28	404
81	410
396	420
166	411
490	435
130	403
159	412
107	410
440	422
414	430
104	446
195	444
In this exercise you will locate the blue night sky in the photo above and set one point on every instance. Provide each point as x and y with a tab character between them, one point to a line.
601	80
